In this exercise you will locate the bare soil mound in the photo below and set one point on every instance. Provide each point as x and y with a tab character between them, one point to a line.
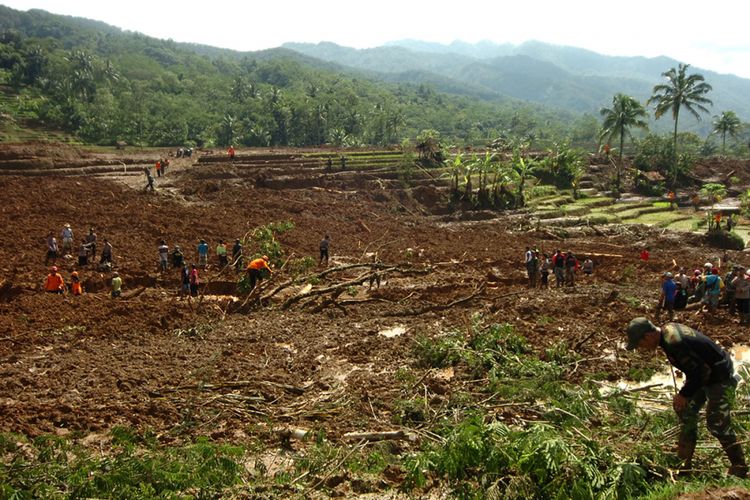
177	367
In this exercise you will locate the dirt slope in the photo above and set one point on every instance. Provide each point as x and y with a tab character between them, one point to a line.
190	367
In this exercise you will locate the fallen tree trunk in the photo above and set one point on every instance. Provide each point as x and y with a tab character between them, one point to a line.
441	307
379	436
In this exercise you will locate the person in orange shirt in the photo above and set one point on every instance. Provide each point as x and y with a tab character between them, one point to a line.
254	270
158	168
54	282
75	284
230	152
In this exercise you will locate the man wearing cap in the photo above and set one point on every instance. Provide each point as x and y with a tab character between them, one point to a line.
709	376
668	294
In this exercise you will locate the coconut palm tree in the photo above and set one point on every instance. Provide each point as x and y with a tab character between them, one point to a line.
727	123
681	90
624	114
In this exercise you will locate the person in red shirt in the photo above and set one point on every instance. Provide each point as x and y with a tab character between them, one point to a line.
193	280
230	152
54	282
644	254
254	270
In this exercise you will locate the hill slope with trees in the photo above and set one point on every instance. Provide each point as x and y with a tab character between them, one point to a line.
104	85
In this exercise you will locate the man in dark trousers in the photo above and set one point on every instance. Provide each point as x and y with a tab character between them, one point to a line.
709	376
325	244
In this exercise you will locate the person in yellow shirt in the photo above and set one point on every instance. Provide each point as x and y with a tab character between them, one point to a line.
255	268
116	285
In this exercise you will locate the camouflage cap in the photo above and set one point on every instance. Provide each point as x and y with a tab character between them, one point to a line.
637	329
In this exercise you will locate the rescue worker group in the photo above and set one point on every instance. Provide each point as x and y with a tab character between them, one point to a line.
708	369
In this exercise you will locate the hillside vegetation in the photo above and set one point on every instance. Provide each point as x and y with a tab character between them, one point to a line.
105	85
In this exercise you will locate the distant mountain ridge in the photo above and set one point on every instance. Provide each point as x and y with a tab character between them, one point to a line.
574	79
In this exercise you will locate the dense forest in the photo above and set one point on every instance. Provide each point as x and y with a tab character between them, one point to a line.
101	85
105	85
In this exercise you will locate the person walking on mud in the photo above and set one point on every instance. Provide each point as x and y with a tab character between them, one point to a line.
106	253
221	253
237	255
709	377
667	296
83	253
91	242
325	245
255	270
67	239
52	249
531	267
558	265
178	259
163	250
544	269
194	281
571	265
184	281
149	180
202	254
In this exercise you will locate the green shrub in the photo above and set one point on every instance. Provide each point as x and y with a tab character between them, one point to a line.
728	240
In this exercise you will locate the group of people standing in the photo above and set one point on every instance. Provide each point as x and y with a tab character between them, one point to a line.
706	286
563	266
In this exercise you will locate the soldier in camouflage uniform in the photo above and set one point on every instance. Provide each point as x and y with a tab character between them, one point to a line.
709	376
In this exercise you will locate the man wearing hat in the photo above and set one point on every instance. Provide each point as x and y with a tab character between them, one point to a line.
709	376
67	239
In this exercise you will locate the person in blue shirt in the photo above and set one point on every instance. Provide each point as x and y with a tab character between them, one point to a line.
202	254
668	294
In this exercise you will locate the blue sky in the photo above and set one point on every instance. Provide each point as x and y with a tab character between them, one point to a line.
688	30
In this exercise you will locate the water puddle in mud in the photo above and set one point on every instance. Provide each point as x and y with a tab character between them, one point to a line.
664	381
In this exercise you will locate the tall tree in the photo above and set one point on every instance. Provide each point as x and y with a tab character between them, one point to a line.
727	123
681	90
624	114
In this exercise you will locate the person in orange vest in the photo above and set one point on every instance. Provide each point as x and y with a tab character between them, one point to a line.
254	270
54	282
75	284
230	152
717	220
158	168
671	197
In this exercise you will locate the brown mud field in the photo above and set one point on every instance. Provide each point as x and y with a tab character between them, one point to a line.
330	362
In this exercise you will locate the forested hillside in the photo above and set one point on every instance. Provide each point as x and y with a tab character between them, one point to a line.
570	78
104	85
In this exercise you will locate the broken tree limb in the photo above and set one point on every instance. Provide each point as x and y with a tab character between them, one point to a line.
334	288
380	436
441	307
